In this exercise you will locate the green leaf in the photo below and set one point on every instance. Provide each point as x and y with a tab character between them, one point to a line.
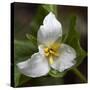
31	38
22	51
46	80
23	79
17	76
73	39
50	8
56	74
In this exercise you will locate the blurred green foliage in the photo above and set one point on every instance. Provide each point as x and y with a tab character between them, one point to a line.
73	39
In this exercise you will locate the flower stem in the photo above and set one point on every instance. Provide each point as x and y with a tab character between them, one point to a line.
79	74
55	10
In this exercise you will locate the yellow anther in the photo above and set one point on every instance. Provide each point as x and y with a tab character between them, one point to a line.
51	51
51	59
54	53
46	50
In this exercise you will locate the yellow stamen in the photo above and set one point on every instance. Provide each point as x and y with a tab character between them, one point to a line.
46	50
54	53
51	59
51	52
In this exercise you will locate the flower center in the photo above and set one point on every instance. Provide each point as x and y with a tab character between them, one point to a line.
51	52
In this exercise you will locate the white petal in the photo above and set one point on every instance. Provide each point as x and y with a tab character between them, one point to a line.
41	50
66	58
50	31
35	67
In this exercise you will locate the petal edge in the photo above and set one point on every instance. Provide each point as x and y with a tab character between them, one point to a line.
66	59
50	31
36	66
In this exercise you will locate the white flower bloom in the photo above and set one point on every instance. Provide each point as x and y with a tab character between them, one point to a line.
52	54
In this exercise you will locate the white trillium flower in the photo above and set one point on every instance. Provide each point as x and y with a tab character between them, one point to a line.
52	54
